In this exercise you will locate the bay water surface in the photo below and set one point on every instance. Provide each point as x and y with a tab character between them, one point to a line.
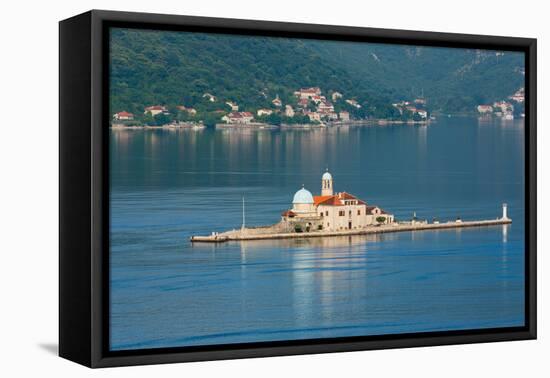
167	185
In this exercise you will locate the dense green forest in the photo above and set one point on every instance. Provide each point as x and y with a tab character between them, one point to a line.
177	68
454	80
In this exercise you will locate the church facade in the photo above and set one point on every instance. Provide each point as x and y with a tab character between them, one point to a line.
331	211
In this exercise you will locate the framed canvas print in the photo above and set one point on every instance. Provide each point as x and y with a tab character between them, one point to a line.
233	188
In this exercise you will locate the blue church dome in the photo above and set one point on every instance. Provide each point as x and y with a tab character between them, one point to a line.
303	196
327	176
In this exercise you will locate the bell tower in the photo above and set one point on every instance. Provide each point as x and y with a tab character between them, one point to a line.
326	184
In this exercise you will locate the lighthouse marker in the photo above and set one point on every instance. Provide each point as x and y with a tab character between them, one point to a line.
504	211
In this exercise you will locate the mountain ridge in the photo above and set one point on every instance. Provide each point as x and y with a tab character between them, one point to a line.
177	68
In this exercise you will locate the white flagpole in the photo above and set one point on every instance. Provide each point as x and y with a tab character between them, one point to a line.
243	215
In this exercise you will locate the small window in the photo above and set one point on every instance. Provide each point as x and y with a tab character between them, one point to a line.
358	212
350	213
326	213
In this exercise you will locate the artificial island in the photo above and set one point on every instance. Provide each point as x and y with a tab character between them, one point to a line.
337	214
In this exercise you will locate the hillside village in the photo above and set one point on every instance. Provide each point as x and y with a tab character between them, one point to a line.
505	109
307	106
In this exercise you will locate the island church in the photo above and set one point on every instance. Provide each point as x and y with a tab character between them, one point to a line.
330	211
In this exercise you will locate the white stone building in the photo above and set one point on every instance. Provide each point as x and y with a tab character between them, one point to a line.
344	116
277	101
325	107
353	103
156	109
313	116
332	212
335	96
308	93
123	116
484	109
289	112
262	112
209	97
234	107
519	96
238	117
422	113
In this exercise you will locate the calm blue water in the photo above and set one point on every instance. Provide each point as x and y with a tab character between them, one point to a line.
168	185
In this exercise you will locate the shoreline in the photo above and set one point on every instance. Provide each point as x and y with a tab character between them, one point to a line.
266	126
395	227
245	126
182	126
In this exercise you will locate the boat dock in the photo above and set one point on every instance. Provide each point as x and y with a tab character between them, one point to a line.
241	235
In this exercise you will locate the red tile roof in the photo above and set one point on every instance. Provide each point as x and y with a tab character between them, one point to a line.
124	114
347	196
319	199
155	107
336	200
310	90
371	208
240	115
327	200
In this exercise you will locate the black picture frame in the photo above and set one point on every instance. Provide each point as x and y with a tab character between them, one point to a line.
84	201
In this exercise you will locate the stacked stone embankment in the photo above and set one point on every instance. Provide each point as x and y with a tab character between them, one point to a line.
278	231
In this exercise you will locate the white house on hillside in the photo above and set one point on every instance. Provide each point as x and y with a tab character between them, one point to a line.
209	97
238	117
277	101
262	112
123	116
289	112
156	109
335	96
234	107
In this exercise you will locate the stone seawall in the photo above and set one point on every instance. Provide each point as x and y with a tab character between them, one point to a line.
245	126
394	227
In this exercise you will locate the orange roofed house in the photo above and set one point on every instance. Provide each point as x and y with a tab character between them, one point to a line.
332	211
123	116
156	109
238	117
